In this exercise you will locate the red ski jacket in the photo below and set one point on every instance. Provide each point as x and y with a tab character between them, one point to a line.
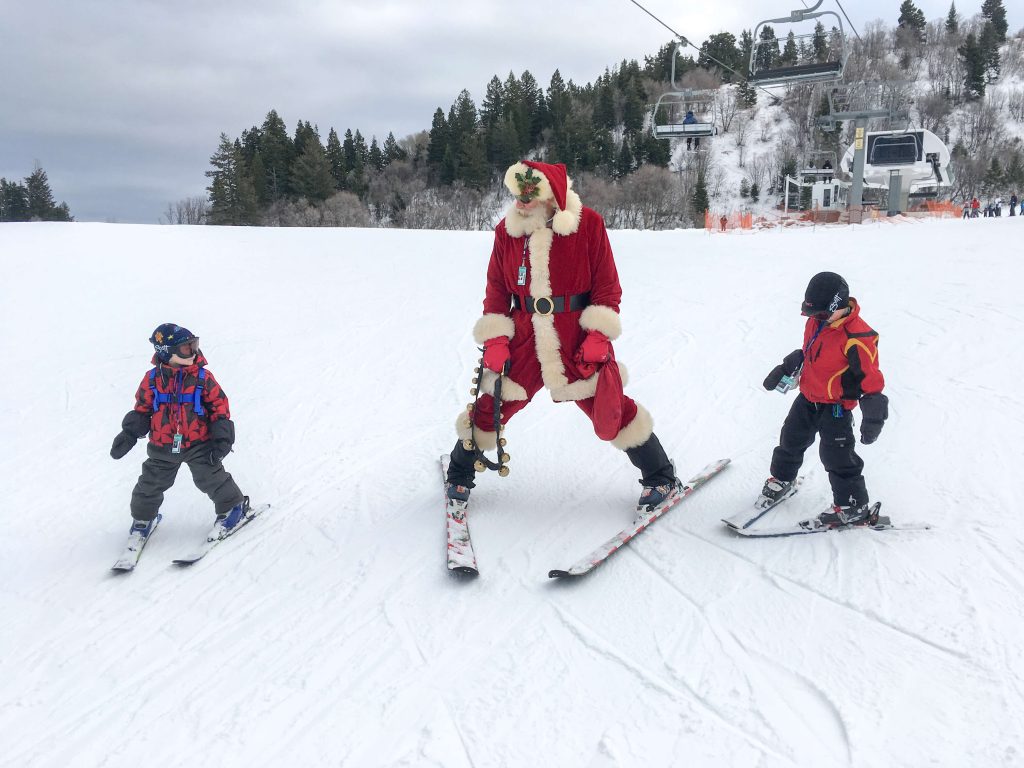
172	417
840	360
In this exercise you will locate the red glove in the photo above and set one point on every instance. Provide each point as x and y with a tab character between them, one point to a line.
596	348
496	353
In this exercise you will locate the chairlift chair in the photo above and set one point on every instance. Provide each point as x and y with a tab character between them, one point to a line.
670	111
819	164
816	72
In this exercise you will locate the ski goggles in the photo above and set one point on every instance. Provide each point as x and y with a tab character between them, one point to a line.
187	348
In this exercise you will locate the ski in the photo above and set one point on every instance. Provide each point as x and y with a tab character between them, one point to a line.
760	508
588	563
812	525
461	557
133	549
212	541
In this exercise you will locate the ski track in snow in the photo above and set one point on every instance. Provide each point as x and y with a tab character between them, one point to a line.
330	633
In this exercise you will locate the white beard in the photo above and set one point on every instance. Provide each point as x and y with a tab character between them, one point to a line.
520	222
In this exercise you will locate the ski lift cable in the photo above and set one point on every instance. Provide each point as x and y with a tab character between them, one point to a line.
686	41
848	20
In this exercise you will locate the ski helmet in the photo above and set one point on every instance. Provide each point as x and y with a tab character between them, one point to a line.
168	337
826	293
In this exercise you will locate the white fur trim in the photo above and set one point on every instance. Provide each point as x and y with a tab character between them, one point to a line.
485	441
584	388
513	186
510	390
598	317
492	325
568	221
637	432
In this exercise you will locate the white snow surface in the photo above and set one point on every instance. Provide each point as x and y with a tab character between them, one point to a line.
330	632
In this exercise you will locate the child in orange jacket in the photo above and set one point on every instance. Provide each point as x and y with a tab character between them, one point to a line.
837	369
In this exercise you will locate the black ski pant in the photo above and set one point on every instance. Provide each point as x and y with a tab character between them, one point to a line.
834	425
160	469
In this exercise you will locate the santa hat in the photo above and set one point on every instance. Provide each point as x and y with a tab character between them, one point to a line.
552	183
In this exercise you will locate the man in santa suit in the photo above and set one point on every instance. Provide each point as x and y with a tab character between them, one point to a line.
551	311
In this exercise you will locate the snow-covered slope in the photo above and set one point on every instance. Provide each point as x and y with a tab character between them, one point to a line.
330	632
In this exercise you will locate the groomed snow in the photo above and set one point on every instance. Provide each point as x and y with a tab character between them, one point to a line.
330	632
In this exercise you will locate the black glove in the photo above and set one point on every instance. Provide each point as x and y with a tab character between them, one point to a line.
219	449
790	364
222	437
123	443
876	410
772	379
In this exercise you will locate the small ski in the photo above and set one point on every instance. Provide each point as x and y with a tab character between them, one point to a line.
461	557
133	550
759	509
212	541
588	563
813	525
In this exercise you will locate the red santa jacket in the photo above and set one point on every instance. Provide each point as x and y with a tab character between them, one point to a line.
564	260
171	417
840	360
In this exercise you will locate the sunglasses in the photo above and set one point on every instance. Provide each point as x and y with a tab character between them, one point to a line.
816	314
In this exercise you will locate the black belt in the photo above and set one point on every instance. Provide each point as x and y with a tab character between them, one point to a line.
547	305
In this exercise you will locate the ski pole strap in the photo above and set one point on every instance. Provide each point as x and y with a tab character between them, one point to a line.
172	398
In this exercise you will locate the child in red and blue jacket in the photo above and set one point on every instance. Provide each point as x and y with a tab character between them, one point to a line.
837	368
182	408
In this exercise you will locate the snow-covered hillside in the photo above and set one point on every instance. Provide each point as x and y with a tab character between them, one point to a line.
330	633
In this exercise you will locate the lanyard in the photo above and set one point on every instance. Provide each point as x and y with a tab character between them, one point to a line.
821	327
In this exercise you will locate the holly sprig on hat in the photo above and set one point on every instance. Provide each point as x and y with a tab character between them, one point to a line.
529	185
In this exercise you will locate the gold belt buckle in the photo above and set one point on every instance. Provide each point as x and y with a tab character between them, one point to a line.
545	308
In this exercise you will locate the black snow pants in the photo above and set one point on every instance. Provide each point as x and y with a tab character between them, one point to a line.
160	469
844	466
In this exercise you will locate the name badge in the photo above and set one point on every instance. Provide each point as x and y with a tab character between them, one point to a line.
522	276
176	445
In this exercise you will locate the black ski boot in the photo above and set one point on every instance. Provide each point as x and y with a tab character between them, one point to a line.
658	475
460	474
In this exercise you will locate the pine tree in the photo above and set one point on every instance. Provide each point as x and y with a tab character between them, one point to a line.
952	20
755	192
258	174
745	92
989	45
375	157
392	150
336	159
278	152
790	55
41	206
995	13
13	201
438	143
766	54
993	180
912	19
232	196
744	188
974	67
819	43
311	172
719	52
700	199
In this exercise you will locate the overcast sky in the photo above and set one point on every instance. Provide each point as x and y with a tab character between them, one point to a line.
122	101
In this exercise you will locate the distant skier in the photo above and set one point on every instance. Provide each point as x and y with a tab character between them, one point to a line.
691	120
1013	204
975	207
551	312
182	408
837	367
